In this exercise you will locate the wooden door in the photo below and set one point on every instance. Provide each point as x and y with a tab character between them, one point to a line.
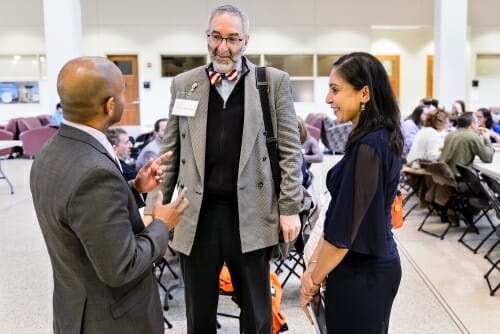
430	77
391	65
128	66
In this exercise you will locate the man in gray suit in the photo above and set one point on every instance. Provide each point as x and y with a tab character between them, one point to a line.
101	251
217	136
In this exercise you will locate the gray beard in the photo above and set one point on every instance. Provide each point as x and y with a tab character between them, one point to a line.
224	68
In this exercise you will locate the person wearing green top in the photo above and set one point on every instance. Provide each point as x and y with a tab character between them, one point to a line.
467	142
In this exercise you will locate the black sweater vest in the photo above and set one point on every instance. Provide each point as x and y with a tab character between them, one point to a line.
224	133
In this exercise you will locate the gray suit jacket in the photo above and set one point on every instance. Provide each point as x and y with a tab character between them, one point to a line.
101	254
257	204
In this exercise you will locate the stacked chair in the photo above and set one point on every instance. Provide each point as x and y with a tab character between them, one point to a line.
493	254
495	265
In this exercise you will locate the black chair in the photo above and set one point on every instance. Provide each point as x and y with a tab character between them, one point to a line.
158	271
140	142
160	267
492	182
294	264
494	193
479	203
495	265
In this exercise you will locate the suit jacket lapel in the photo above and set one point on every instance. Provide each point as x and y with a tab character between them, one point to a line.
253	118
198	124
77	134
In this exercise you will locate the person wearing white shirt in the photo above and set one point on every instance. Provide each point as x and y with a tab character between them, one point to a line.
429	141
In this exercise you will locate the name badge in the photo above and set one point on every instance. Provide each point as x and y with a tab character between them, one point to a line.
184	107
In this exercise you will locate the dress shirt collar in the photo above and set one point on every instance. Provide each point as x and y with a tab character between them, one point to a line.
96	134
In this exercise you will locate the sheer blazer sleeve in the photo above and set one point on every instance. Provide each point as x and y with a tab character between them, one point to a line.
357	219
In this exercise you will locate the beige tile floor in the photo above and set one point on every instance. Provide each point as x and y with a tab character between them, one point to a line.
442	290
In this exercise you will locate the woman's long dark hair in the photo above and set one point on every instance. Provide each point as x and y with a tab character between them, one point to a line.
416	115
362	69
488	119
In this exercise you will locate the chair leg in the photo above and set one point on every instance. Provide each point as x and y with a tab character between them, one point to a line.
487	255
227	315
409	211
169	325
449	224
298	260
169	267
408	196
493	290
473	226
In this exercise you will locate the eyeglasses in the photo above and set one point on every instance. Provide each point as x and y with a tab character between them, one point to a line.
217	39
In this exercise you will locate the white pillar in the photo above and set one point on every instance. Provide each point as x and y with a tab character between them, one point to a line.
450	38
63	40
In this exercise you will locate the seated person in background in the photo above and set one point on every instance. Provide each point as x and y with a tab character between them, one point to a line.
457	109
430	103
411	125
463	145
428	142
485	120
57	116
496	120
310	147
121	144
152	149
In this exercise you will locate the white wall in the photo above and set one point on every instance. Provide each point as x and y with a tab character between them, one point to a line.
413	46
150	28
484	40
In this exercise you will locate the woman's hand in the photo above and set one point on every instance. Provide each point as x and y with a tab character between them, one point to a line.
309	291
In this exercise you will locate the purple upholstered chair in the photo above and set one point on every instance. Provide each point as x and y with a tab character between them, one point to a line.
45	120
33	140
12	127
28	123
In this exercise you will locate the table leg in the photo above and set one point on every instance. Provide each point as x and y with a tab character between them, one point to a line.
3	176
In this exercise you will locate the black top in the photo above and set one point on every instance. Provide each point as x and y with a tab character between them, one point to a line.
363	186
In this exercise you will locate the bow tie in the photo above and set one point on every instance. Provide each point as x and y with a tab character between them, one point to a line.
216	77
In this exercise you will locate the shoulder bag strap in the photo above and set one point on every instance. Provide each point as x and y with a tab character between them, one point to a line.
271	142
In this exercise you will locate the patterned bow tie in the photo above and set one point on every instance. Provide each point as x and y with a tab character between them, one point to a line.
216	77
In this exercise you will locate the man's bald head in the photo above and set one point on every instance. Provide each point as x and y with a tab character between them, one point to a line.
84	86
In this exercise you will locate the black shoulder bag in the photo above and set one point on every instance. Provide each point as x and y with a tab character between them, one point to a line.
272	149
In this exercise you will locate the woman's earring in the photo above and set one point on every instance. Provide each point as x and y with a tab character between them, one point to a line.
363	107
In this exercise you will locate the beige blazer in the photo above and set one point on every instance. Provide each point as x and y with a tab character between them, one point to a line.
257	204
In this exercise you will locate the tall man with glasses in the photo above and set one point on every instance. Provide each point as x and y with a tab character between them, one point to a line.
217	136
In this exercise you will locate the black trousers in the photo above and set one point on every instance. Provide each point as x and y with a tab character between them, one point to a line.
359	294
217	241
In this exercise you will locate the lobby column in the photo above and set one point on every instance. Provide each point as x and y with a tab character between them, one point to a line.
63	40
450	42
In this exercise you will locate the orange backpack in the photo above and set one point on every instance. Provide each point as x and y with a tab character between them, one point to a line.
397	211
279	320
